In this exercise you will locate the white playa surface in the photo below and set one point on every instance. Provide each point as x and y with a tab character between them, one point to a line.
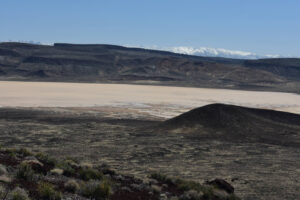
160	101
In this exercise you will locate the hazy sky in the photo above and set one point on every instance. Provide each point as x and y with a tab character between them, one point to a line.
261	26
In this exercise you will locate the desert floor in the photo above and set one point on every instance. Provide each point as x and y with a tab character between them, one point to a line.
107	123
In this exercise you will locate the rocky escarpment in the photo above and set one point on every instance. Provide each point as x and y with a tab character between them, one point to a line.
110	63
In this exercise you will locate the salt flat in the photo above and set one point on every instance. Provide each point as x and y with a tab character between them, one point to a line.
162	101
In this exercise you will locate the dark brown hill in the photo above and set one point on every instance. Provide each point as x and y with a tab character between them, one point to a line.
117	64
243	124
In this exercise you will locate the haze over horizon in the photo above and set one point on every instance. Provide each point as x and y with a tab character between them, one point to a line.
209	28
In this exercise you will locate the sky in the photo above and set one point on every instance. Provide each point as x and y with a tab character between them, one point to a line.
260	26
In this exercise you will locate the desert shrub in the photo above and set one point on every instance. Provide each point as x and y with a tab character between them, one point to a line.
96	190
12	152
67	168
12	155
162	178
25	172
3	192
45	158
105	169
46	191
89	174
72	162
2	170
189	185
72	159
24	152
72	186
18	194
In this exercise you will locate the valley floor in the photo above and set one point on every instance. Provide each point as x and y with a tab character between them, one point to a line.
109	123
256	170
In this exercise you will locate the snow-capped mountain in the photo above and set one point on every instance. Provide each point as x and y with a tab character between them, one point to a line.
215	52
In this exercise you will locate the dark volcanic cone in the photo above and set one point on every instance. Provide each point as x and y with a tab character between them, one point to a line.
236	122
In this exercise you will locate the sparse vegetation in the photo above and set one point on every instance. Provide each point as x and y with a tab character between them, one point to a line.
18	194
25	172
90	182
3	192
45	158
68	170
161	177
145	150
88	173
96	190
192	190
72	186
2	170
11	152
24	152
188	185
46	191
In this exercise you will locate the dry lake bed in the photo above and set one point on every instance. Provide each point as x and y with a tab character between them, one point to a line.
160	101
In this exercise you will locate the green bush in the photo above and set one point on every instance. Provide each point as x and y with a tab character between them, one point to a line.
68	170
18	194
72	186
46	191
45	158
96	190
189	185
25	172
90	174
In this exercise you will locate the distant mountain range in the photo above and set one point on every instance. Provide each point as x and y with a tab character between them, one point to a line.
201	51
117	64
